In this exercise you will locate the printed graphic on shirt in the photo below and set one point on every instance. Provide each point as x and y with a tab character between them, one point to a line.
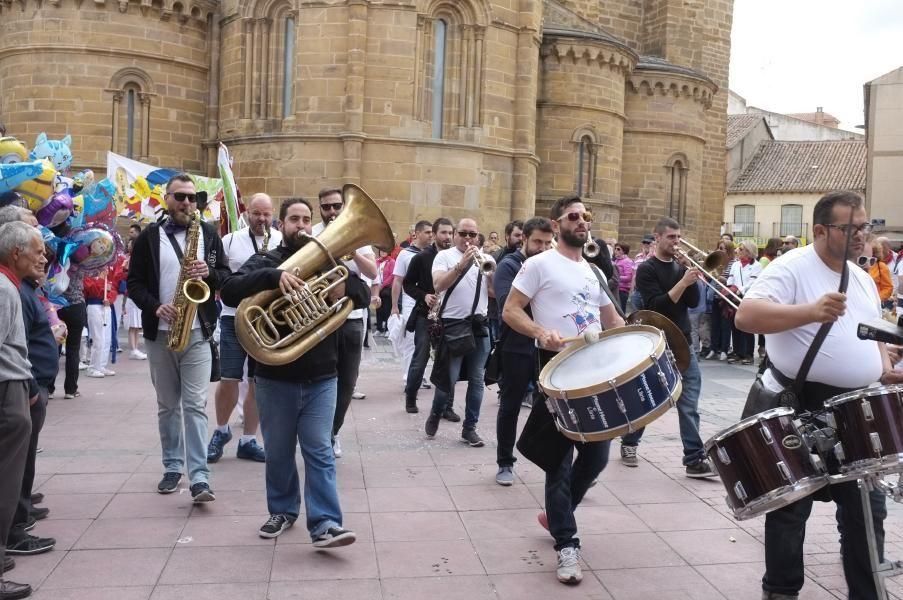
582	317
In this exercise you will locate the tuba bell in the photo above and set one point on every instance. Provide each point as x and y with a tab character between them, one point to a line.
276	329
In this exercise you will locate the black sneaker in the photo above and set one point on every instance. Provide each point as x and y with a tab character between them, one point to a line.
451	415
275	525
334	537
432	425
218	441
250	450
701	470
201	492
9	563
39	513
10	590
169	483
37	498
31	544
29	524
471	437
411	406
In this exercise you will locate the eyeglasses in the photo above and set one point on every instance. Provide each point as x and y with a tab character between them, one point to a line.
333	206
183	196
470	234
869	261
864	229
573	217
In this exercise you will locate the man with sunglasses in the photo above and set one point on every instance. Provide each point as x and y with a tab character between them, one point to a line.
788	303
351	333
181	379
790	243
566	299
455	269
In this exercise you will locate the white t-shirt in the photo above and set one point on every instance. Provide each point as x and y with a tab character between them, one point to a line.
742	277
461	300
402	262
239	248
801	277
352	267
565	295
171	267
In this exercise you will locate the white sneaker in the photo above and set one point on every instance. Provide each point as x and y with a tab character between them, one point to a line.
95	373
569	565
336	447
137	355
358	396
722	356
82	366
109	372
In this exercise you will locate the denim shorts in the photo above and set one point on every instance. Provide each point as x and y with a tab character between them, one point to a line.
231	355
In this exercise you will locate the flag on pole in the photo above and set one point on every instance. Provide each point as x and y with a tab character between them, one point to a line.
230	195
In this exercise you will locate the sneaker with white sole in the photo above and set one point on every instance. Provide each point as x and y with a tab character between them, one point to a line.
700	470
505	476
358	396
108	372
275	525
82	366
95	373
569	565
336	447
628	456
334	537
137	355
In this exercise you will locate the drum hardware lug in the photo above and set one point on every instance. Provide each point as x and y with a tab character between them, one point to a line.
723	456
839	454
830	420
876	443
785	472
573	414
766	433
621	406
867	413
816	461
740	492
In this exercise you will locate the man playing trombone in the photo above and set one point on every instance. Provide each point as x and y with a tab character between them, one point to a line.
669	288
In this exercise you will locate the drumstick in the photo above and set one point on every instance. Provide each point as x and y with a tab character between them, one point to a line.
590	337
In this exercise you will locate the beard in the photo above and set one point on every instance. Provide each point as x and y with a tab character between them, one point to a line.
180	217
443	245
295	241
572	239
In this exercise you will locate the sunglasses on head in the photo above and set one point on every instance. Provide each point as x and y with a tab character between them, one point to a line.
183	196
867	261
573	217
470	234
332	205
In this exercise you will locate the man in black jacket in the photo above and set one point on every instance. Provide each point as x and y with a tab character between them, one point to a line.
418	284
297	401
180	379
518	351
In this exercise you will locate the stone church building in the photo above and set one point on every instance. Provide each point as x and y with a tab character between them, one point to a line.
486	108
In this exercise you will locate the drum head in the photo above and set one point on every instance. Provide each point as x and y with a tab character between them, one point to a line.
878	390
584	369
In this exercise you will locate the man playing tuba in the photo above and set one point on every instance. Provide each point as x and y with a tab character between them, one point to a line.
296	401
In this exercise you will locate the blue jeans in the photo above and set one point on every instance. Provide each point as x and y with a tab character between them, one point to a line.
687	416
475	363
292	413
566	486
181	381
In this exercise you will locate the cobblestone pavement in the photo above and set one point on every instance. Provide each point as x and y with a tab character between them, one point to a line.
430	519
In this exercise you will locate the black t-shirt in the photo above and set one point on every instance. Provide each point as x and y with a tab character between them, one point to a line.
654	279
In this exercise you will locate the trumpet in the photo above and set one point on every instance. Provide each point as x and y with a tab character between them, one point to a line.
484	262
713	264
591	249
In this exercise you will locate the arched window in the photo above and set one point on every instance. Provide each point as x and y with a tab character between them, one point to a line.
131	117
745	220
131	90
437	83
586	166
288	70
676	201
791	220
269	60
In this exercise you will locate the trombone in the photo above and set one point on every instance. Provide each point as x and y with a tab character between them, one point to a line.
713	263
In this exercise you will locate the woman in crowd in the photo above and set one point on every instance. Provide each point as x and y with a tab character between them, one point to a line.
872	261
722	313
743	274
385	265
626	270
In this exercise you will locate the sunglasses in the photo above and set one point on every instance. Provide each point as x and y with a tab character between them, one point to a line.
470	234
576	216
864	261
183	196
864	229
333	206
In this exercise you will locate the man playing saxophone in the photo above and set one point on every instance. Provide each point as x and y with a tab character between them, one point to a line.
297	401
180	378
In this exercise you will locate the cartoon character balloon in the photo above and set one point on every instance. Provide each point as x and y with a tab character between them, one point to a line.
12	175
97	248
56	211
12	151
37	191
57	152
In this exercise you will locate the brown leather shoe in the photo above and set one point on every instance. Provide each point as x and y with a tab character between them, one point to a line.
10	590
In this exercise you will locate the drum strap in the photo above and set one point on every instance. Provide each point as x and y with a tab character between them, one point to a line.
604	285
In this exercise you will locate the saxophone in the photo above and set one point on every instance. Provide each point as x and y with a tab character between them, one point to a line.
266	238
189	292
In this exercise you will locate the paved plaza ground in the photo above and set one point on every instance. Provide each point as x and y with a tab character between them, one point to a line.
431	521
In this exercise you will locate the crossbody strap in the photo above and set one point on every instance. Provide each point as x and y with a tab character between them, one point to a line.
604	285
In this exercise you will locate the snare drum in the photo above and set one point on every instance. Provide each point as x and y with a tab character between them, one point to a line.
764	463
618	384
868	424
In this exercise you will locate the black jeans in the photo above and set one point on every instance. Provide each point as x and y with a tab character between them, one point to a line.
38	412
15	428
566	487
351	337
785	531
721	331
385	308
518	370
744	343
74	316
419	359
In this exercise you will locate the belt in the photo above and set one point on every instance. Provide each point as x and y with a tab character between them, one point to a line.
812	391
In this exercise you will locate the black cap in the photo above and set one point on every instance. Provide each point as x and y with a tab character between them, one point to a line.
648	238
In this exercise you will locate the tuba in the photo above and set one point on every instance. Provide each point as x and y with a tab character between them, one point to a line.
189	292
275	329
